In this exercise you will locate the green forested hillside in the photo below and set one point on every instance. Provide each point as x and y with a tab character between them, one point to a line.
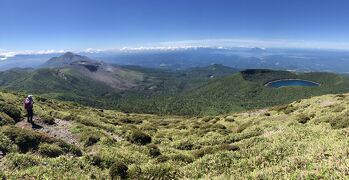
208	90
238	92
302	140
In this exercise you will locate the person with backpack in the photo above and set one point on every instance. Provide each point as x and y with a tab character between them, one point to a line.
28	105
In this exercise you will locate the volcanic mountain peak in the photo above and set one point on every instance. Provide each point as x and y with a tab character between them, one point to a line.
67	59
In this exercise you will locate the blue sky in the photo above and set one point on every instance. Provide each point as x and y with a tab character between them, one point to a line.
81	24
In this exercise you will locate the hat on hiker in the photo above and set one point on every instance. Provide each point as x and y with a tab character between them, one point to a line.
30	96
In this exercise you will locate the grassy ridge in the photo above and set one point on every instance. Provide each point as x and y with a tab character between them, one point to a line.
305	139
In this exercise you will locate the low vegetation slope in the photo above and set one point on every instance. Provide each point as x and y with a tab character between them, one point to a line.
306	139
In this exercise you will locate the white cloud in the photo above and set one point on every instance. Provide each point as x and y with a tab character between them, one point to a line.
4	54
192	44
274	43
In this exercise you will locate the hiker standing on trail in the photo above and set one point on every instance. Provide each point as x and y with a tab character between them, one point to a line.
28	105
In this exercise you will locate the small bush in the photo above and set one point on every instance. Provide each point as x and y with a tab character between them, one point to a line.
134	172
243	126
180	127
6	144
182	158
24	139
302	118
229	147
69	148
5	119
203	151
11	111
229	119
19	161
50	150
95	160
162	171
140	138
185	145
154	151
338	109
207	119
162	158
91	140
149	128
48	120
219	126
41	99
118	170
196	126
267	114
280	108
340	122
131	121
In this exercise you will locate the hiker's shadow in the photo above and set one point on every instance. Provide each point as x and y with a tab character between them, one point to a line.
36	126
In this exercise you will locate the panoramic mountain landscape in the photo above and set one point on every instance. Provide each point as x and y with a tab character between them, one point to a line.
190	89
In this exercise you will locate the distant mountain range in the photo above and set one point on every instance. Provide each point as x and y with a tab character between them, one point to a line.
301	60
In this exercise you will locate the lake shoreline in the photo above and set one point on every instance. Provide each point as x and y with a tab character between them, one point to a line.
280	80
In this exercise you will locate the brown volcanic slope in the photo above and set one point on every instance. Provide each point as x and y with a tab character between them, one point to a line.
115	77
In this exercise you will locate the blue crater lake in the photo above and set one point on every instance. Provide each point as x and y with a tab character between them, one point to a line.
291	82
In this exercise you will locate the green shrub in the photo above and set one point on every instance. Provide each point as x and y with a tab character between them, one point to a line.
302	118
149	128
162	171
11	111
182	158
244	126
5	144
340	122
154	151
140	138
229	119
207	119
95	160
92	139
279	108
48	120
162	158
5	119
196	126
185	145
288	110
118	170
50	150
229	147
20	161
267	114
41	99
131	121
203	151
211	150
24	139
134	172
219	126
72	117
69	148
338	109
180	127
